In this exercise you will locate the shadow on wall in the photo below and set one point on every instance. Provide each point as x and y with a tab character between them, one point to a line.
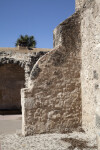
12	80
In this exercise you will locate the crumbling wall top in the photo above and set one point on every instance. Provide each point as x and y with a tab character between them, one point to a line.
79	4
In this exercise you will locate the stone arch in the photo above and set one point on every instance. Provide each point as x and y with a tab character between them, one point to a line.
12	80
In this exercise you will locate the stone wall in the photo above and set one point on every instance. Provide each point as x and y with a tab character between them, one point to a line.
79	4
25	59
49	105
52	101
62	88
11	81
15	68
90	36
64	34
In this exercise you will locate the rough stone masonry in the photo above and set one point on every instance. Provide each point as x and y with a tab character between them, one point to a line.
62	87
15	68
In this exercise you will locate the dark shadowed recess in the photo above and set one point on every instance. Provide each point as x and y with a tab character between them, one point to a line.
12	80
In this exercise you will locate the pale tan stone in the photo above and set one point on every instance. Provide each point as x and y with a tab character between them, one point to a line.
61	91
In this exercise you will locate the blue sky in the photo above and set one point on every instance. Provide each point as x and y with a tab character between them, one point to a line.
32	17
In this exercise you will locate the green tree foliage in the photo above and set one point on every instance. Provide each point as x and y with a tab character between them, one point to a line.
26	41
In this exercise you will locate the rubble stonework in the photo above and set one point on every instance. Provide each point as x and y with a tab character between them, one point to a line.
62	87
15	68
52	101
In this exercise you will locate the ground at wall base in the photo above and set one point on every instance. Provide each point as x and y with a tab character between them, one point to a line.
72	141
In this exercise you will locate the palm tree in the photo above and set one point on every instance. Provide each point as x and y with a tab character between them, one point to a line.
26	41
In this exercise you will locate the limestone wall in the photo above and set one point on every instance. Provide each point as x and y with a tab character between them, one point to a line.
15	68
65	33
11	81
79	4
23	58
62	91
52	101
90	35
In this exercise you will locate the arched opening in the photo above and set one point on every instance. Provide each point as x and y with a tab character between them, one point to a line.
12	80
